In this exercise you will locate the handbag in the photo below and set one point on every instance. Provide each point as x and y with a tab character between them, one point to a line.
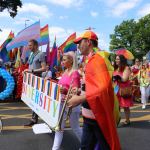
126	91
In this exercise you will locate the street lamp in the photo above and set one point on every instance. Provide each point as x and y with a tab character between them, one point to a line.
26	22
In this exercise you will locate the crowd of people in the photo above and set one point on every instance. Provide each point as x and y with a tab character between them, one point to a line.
95	89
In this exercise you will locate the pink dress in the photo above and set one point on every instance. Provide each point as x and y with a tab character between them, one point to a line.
123	102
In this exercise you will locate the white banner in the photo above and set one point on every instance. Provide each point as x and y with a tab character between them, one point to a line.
43	97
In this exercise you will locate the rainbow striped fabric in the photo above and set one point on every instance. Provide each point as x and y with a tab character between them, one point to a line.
69	45
3	51
44	35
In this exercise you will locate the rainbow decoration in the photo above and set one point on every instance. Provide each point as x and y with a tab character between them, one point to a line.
44	35
69	45
126	53
3	51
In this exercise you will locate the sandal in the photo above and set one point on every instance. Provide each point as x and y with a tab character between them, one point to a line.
124	124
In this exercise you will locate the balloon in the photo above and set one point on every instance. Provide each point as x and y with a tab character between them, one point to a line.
9	86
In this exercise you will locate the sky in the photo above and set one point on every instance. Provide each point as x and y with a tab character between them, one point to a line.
67	16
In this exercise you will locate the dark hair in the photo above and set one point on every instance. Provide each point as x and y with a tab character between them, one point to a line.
94	43
123	63
35	42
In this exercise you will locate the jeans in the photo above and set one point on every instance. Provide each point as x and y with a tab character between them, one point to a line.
92	136
144	94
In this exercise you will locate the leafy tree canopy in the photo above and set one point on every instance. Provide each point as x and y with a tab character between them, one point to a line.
132	35
11	6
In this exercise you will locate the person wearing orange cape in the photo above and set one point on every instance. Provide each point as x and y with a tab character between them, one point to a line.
98	101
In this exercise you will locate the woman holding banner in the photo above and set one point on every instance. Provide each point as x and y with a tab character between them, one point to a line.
70	76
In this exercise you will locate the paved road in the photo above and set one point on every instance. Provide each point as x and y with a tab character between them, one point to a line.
16	137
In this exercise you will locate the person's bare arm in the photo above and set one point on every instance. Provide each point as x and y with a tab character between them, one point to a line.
42	69
126	74
76	100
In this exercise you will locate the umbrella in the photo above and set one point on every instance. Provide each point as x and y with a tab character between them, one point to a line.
126	53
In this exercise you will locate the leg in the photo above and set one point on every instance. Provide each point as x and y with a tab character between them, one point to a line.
127	114
33	120
147	93
57	140
102	144
59	136
143	95
34	117
74	122
88	140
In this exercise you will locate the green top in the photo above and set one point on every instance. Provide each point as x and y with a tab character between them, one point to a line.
143	77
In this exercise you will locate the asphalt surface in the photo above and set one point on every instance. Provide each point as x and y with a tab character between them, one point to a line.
16	137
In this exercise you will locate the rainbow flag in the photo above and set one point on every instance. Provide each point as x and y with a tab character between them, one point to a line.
69	45
53	57
9	38
3	51
44	35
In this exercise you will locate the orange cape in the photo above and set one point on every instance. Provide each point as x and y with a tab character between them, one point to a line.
100	96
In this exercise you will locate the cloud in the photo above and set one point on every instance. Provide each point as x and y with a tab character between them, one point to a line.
4	34
66	3
63	17
145	10
61	34
40	10
120	7
23	20
123	7
110	2
94	13
4	14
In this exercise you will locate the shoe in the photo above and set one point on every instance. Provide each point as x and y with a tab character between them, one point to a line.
30	124
143	106
124	124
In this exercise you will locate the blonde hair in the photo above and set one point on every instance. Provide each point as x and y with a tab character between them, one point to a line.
73	56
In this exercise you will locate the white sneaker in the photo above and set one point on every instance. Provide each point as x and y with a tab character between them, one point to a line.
143	106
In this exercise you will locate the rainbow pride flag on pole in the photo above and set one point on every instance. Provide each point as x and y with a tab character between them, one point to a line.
44	33
9	38
69	45
3	51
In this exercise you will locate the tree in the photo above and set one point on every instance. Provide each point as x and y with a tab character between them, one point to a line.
123	36
142	37
11	6
132	35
